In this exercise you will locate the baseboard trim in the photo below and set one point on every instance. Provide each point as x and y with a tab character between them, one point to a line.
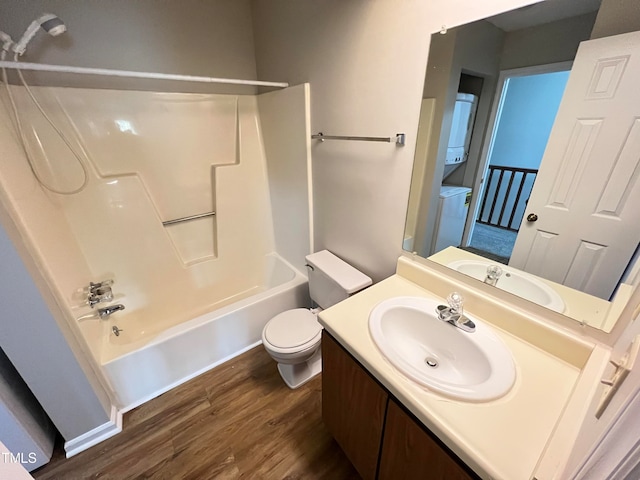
95	436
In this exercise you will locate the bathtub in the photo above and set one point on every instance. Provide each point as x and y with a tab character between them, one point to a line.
142	363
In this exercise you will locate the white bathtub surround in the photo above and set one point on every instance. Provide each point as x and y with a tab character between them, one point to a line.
196	293
285	132
141	364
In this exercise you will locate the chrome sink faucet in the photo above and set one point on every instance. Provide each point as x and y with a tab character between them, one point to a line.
494	272
454	313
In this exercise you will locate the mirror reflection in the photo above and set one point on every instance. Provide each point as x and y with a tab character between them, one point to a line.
508	169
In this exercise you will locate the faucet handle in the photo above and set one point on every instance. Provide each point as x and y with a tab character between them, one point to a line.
455	302
96	287
494	272
103	294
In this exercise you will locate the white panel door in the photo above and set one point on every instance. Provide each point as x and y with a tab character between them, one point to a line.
582	222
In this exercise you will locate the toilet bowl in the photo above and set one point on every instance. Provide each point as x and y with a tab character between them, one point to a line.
292	338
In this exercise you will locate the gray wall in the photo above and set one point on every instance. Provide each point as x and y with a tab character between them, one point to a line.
189	37
25	428
365	61
35	345
550	43
616	17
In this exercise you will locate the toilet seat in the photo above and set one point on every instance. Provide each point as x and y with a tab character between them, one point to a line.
292	331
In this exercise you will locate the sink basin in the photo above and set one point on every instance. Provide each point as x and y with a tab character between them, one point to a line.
514	281
435	354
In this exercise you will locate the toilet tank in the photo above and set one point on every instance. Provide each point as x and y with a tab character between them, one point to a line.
332	280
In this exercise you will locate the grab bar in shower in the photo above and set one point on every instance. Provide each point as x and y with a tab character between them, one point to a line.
398	139
186	219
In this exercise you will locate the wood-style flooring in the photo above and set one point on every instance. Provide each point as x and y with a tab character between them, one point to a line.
238	420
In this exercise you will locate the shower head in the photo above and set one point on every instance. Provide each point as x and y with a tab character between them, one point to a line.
49	22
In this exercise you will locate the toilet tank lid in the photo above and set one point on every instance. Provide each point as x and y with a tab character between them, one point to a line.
350	279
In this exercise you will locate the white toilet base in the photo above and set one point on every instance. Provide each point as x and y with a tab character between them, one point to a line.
299	374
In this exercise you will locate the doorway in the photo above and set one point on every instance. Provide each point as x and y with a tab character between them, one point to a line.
524	111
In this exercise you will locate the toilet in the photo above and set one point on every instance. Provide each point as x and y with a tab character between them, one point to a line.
292	338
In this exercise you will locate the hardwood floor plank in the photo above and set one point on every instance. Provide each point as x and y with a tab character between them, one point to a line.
204	466
114	461
170	408
236	421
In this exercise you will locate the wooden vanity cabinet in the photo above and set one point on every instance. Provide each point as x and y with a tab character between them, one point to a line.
379	437
353	407
411	451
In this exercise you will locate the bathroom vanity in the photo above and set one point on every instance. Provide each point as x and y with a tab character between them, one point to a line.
373	428
391	427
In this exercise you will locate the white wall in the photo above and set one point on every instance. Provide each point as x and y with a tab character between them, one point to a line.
365	62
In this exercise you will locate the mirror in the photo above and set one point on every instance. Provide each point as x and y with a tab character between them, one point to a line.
491	94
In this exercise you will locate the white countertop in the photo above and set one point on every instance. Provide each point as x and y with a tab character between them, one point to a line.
500	439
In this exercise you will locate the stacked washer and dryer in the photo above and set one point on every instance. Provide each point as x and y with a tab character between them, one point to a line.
454	200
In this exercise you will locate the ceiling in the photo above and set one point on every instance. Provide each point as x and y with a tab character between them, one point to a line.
543	12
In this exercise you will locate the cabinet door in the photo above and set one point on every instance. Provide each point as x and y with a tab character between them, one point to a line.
353	407
409	452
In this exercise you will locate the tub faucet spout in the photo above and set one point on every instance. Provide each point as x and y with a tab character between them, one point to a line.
105	312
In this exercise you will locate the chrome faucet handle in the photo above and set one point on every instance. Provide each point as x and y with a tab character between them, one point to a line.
494	272
94	287
453	314
455	303
103	294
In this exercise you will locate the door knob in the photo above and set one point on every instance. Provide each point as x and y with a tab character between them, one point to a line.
532	217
